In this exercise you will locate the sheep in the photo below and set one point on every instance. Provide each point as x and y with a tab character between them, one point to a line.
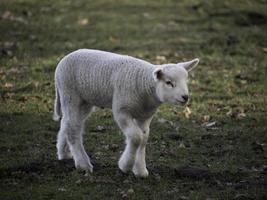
131	87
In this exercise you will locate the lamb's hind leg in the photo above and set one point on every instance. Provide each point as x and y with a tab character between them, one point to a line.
133	136
63	151
72	127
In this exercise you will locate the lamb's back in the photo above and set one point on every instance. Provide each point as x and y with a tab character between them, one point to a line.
96	73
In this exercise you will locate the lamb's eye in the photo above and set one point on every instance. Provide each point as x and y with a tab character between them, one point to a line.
169	83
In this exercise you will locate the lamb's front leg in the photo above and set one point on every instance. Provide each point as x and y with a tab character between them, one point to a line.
139	168
133	136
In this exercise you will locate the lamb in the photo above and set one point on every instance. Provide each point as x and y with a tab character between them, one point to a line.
132	87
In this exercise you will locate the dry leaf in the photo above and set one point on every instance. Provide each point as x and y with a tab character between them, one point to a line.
147	16
229	112
237	113
7	48
205	118
13	70
160	59
100	128
9	16
36	84
8	85
243	81
264	49
162	120
2	74
187	112
241	115
83	21
113	39
130	191
62	189
181	145
140	55
194	82
2	77
210	124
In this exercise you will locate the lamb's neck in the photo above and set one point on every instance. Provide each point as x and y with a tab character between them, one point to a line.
149	85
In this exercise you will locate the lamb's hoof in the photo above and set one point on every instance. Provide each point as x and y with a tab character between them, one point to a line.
124	167
64	156
140	173
84	166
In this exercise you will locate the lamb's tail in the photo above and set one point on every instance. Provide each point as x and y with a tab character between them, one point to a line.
57	106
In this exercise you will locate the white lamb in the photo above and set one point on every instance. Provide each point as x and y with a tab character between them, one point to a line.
132	87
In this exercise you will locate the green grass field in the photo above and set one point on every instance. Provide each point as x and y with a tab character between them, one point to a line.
214	149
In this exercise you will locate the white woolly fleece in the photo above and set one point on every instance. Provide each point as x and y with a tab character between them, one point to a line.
133	88
101	79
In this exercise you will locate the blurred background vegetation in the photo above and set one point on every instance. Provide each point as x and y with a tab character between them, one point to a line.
213	149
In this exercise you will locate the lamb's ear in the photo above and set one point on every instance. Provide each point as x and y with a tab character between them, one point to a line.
190	64
158	74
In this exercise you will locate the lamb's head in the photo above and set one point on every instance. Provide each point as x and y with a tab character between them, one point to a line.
171	81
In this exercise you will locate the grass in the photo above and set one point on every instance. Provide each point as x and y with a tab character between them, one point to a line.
218	151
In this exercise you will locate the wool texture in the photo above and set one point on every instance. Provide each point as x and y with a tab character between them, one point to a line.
104	79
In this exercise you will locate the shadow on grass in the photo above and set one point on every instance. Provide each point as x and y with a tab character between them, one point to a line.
28	159
110	174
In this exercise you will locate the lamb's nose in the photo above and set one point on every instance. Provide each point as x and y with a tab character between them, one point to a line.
185	97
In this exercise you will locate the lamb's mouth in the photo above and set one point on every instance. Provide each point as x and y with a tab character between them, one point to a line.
182	102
